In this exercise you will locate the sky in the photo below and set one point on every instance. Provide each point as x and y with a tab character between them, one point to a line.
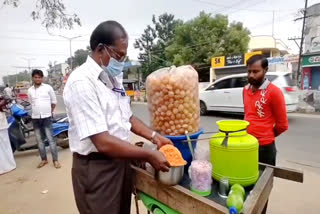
22	39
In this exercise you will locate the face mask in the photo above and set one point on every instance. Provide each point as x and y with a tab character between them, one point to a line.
114	68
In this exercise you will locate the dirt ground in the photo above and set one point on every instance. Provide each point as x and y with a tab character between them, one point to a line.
28	190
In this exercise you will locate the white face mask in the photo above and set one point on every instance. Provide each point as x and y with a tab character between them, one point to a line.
112	81
114	68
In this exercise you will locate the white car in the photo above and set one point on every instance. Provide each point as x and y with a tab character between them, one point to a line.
225	94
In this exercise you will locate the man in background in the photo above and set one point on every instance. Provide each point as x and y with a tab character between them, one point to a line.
43	101
264	108
8	91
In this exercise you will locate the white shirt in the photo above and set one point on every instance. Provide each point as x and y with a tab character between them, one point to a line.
8	92
41	99
93	107
3	121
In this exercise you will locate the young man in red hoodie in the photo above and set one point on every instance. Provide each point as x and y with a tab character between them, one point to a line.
265	109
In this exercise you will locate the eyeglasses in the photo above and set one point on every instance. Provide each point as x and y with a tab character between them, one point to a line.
117	55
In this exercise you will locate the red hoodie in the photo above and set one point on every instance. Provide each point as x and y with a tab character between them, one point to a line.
265	109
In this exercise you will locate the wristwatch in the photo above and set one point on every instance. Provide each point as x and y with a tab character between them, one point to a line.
152	136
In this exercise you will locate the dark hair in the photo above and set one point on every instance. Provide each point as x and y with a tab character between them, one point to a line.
37	72
7	85
259	57
107	33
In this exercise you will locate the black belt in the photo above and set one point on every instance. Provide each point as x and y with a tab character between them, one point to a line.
92	156
226	138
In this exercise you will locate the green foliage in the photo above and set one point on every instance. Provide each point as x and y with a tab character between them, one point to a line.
52	13
153	42
200	39
13	79
80	57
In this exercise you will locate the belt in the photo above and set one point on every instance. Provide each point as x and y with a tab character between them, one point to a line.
226	138
92	156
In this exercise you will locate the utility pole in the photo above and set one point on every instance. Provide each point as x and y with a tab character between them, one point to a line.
70	40
299	76
29	65
295	40
29	60
273	23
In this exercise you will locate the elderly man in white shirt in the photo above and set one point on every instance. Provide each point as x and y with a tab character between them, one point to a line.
43	101
100	123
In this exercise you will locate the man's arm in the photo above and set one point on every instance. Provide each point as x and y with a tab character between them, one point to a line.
53	106
141	129
116	148
53	99
280	113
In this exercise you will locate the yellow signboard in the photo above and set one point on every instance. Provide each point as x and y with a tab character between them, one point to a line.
222	61
218	62
248	55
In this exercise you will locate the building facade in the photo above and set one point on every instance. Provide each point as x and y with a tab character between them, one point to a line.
311	56
275	50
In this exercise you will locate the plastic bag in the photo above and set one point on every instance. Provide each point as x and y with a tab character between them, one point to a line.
202	152
200	173
173	100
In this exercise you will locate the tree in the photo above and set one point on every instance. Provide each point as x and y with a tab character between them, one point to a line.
200	39
153	42
52	13
13	79
80	57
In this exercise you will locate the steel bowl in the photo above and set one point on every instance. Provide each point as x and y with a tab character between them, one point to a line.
172	177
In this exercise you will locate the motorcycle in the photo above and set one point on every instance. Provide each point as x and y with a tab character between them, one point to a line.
20	125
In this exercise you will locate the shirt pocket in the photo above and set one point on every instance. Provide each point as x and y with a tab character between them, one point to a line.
125	108
44	95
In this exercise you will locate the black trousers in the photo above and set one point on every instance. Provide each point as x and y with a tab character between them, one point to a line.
267	155
101	184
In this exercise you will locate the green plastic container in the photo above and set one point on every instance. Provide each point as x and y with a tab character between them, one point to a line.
234	157
156	207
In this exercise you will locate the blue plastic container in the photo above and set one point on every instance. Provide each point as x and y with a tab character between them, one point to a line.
183	146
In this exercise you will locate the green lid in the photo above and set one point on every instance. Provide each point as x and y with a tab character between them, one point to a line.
200	193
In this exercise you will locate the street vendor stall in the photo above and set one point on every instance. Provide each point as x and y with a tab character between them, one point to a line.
222	175
181	199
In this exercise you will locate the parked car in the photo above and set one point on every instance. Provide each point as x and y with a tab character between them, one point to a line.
225	94
203	85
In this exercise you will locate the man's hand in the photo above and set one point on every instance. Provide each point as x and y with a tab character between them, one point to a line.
160	141
158	161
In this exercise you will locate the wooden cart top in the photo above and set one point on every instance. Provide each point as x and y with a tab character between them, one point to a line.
187	202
